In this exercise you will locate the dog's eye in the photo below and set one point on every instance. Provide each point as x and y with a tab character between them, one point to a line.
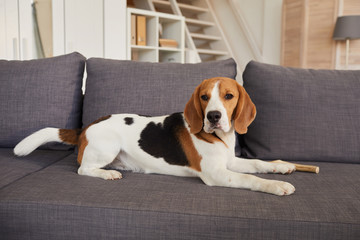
228	96
204	97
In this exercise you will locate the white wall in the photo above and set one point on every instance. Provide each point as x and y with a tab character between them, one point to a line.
252	27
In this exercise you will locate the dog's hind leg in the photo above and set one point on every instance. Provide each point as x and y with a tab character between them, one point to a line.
93	160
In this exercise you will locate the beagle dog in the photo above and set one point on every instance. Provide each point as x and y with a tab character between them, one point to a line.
197	143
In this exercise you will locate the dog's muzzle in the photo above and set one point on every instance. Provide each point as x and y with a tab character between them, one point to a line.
214	118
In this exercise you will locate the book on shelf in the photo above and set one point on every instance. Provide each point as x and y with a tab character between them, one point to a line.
170	43
133	29
141	30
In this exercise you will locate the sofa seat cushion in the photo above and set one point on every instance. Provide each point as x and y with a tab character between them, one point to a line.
303	114
14	168
115	86
58	203
39	93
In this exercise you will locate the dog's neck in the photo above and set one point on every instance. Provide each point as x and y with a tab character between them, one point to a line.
227	138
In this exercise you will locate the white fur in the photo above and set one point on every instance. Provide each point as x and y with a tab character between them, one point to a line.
30	143
115	143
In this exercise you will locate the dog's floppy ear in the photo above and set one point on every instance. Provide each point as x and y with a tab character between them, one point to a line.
193	112
245	111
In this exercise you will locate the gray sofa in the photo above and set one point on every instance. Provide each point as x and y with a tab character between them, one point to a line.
307	116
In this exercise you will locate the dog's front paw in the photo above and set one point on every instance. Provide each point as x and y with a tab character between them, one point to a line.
279	188
111	175
284	168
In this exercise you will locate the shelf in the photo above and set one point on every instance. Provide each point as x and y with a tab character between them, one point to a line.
199	23
143	47
191	8
212	52
169	49
205	37
182	6
155	48
160	3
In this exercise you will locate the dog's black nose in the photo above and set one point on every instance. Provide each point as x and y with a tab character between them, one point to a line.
214	116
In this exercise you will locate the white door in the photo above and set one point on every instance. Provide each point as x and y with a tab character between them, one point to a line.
95	28
9	35
26	30
16	30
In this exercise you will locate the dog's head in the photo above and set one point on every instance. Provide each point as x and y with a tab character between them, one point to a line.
216	104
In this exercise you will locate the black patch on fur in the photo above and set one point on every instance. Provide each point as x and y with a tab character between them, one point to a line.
161	141
129	120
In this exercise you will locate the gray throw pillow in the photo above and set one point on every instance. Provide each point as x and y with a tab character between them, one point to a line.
39	93
303	114
115	86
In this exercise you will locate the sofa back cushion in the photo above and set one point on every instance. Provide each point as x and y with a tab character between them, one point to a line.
39	93
303	114
115	86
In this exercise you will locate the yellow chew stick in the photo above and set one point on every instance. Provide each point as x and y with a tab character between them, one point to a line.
302	167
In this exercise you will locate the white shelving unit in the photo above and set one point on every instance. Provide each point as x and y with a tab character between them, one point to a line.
204	37
173	27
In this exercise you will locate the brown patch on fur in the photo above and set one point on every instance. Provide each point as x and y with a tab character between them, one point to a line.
99	120
69	136
193	112
82	140
195	107
189	149
208	137
244	113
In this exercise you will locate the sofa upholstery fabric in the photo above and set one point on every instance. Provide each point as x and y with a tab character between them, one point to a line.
14	168
39	93
303	114
115	86
143	206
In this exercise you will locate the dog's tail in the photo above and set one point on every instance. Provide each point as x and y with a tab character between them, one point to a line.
45	135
